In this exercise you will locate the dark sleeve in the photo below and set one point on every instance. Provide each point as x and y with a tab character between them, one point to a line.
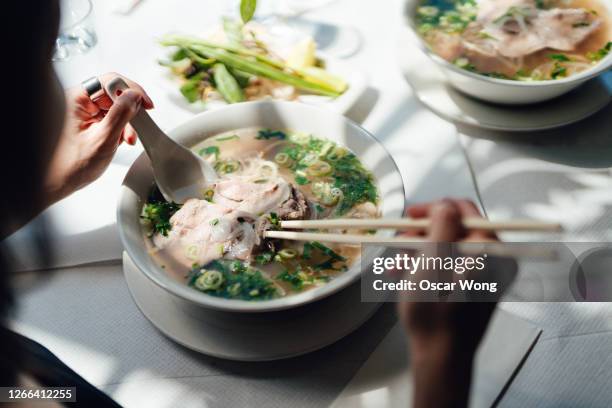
49	371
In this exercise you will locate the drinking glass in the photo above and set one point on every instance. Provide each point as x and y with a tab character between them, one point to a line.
76	33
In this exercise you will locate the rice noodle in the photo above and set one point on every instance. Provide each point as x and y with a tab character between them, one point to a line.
255	168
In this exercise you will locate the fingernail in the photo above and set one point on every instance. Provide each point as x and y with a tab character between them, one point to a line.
149	101
118	92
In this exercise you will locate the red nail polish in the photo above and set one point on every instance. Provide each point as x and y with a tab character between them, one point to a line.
118	92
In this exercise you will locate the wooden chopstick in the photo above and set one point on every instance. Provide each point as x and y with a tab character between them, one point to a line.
339	238
491	248
424	223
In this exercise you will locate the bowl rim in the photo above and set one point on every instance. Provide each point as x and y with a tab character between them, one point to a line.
184	292
592	72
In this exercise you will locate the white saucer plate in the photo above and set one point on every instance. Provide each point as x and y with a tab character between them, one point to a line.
432	89
249	337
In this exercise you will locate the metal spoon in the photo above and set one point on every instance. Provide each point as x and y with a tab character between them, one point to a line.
179	173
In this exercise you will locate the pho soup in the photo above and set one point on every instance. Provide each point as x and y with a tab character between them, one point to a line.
524	40
214	243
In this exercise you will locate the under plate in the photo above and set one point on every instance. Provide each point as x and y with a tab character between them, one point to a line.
432	89
249	336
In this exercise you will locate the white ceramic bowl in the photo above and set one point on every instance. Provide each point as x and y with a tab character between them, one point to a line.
266	114
502	90
265	330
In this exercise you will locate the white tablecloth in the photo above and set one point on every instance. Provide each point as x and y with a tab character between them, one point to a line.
557	175
85	314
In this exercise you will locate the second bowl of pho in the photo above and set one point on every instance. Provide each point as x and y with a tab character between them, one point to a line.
514	51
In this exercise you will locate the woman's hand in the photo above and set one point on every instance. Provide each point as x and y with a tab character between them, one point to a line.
444	335
91	134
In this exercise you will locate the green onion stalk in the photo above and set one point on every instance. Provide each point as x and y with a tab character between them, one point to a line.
249	62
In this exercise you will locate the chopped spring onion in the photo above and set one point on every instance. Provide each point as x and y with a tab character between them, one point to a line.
326	194
192	252
283	159
209	280
300	138
287	253
319	168
227	166
208	195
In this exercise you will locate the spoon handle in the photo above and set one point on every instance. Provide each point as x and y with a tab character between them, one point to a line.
179	173
151	136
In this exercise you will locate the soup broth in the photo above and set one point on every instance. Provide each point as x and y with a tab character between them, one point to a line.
517	39
214	243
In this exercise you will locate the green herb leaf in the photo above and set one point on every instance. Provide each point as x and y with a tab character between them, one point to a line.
247	10
327	251
274	220
158	214
293	278
226	138
558	71
209	150
267	134
264	258
348	175
301	180
239	281
299	278
559	57
600	53
307	251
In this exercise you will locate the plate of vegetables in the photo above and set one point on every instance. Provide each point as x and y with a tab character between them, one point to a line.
238	62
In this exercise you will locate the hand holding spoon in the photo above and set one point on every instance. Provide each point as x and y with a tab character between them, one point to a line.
179	173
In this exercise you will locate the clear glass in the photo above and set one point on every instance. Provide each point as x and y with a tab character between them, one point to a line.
76	33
